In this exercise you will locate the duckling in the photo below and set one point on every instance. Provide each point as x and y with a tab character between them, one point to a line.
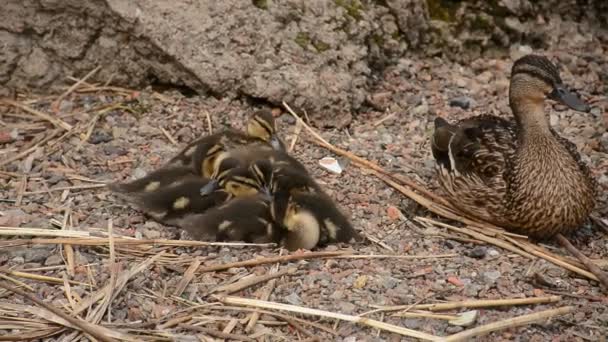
245	219
153	181
201	153
301	207
518	174
192	194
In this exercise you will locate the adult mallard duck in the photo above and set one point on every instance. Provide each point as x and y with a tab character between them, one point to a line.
518	174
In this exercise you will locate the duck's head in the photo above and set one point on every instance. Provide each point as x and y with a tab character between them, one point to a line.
210	157
303	227
534	78
263	172
261	125
238	180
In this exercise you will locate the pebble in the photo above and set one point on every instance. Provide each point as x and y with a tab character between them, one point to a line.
53	260
37	254
492	252
478	252
413	323
293	299
421	109
347	307
463	102
100	137
491	276
18	260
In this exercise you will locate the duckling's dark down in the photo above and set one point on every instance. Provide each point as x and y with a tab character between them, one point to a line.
190	194
205	153
519	174
302	208
245	219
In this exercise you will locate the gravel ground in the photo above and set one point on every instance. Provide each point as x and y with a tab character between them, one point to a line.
393	132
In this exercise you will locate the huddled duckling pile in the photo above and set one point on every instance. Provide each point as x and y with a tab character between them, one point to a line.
237	186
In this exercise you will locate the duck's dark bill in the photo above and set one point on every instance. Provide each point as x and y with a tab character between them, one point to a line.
209	187
561	94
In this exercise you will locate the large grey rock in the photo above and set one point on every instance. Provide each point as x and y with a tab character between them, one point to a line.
318	55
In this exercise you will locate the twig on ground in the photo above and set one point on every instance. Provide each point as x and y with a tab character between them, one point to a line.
245	283
602	277
307	311
216	333
57	102
271	260
96	331
55	121
168	136
30	150
187	278
508	323
61	188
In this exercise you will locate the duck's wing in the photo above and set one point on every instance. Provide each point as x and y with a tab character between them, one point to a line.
153	181
241	219
479	145
171	203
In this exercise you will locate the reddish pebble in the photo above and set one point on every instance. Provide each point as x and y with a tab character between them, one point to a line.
455	281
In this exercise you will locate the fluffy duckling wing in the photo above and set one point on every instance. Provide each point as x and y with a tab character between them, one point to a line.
153	181
241	219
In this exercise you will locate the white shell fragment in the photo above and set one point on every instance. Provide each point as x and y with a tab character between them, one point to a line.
465	319
331	164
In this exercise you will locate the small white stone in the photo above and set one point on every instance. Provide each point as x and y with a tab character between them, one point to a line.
331	164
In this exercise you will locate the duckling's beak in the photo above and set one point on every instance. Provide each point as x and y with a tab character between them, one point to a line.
561	94
209	187
265	193
276	143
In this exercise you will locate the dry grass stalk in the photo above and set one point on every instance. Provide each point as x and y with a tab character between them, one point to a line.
187	278
272	260
420	314
508	323
600	275
21	191
57	102
488	303
61	188
16	282
121	281
25	231
248	282
46	279
528	247
296	135
168	136
83	238
209	125
55	121
406	257
99	332
216	333
479	236
29	150
68	249
315	312
253	318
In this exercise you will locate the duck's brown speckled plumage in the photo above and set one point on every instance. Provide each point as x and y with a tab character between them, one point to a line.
519	174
